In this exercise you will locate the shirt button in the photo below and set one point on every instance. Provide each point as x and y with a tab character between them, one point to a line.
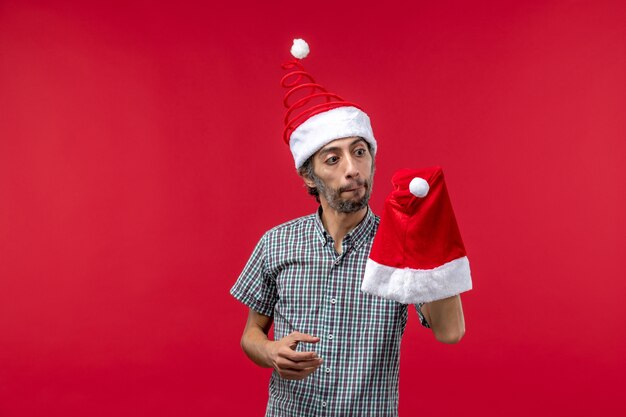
323	403
327	370
338	261
333	300
330	337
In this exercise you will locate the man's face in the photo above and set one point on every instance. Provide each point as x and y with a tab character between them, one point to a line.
343	174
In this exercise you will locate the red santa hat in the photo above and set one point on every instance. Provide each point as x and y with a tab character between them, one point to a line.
315	116
418	254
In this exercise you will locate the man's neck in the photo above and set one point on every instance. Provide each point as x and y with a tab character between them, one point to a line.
338	224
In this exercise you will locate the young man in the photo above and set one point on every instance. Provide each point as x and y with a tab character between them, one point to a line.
315	289
335	349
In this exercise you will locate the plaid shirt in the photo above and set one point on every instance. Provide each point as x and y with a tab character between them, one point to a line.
296	276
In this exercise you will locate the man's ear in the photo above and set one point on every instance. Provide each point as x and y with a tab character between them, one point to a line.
308	181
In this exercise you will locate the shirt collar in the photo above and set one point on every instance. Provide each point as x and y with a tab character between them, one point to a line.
355	237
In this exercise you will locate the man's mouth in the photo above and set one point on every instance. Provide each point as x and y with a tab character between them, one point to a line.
352	188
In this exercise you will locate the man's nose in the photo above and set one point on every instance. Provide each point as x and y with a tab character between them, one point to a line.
351	167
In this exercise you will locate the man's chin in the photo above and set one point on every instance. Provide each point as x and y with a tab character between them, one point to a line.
350	205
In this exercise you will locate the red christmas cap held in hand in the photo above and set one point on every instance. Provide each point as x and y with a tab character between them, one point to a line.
418	255
316	117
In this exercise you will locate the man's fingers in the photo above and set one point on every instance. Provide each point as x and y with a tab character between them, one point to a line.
285	363
297	356
296	337
296	374
303	337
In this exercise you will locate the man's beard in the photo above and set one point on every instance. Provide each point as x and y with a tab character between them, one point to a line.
343	205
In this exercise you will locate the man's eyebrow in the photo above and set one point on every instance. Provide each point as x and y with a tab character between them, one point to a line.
357	141
336	148
328	150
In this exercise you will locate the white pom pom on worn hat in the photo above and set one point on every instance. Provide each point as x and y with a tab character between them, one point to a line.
419	187
300	49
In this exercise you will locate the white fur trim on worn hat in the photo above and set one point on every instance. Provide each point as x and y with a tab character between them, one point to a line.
412	286
323	128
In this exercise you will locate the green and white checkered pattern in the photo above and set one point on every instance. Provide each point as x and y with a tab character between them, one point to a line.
296	276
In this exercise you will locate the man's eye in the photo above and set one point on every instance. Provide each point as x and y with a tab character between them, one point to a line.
360	152
332	160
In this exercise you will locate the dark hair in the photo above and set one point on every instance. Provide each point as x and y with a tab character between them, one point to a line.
306	171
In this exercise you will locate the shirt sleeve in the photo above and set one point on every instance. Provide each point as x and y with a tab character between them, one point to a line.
423	321
255	286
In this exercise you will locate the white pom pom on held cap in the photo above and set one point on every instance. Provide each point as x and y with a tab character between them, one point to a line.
419	187
300	49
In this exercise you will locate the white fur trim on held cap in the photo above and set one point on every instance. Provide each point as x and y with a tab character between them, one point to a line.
412	286
323	128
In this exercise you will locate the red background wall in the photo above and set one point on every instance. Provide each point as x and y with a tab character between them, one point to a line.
141	160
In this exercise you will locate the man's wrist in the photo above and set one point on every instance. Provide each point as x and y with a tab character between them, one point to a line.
268	353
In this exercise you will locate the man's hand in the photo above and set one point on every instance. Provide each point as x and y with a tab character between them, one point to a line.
280	355
291	364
